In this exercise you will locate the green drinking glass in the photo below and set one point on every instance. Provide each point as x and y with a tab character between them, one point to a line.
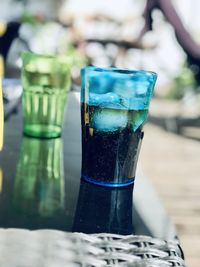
46	83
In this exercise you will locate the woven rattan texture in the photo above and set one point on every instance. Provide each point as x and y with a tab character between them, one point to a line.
49	248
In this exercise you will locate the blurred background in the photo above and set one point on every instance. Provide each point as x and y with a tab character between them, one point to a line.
162	36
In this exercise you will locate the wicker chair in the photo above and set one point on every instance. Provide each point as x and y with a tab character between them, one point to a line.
50	248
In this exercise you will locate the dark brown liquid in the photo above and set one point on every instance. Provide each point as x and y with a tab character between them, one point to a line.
108	156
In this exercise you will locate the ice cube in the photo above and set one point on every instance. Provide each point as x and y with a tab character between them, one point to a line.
109	100
138	118
109	120
39	66
142	88
134	94
124	89
100	86
134	103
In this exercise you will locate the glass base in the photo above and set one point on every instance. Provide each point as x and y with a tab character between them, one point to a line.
42	131
107	184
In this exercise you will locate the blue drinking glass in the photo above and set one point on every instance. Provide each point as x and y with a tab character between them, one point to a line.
114	107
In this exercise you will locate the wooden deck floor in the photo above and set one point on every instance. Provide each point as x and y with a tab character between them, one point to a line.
173	165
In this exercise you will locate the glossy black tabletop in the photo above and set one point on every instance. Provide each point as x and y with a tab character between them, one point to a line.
40	186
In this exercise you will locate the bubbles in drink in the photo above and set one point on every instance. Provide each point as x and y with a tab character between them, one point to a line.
111	141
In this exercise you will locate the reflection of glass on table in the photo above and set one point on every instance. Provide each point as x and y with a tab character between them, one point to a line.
39	182
112	214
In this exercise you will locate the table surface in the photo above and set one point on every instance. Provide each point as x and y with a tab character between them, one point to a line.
66	203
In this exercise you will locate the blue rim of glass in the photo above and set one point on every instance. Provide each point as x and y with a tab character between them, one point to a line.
120	71
108	184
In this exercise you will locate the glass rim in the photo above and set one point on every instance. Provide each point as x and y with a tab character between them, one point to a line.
131	72
26	55
35	54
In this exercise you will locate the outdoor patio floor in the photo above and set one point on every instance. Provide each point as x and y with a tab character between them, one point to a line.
172	164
